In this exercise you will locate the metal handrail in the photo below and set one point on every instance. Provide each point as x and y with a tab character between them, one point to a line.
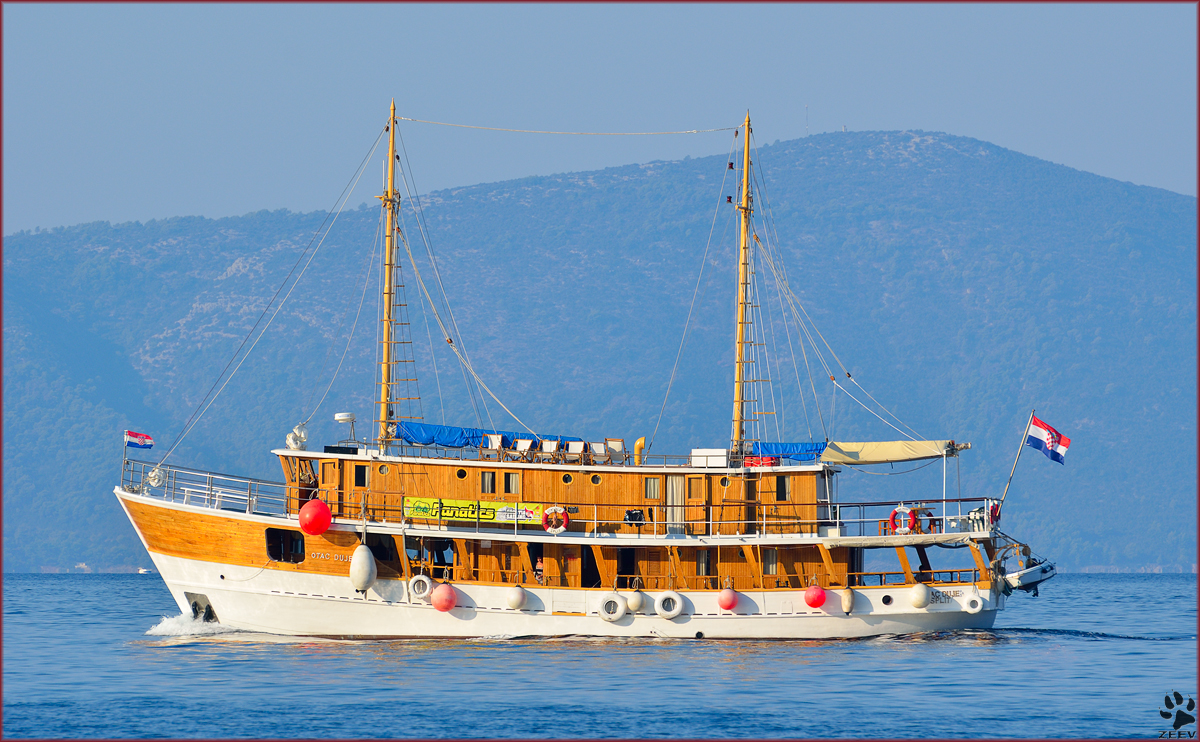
264	497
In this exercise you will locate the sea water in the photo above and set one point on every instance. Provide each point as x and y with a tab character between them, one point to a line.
110	656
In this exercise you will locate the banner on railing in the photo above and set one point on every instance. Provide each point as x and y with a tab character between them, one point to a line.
485	512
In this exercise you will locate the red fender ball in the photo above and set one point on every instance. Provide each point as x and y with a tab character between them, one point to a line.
444	597
315	517
815	596
727	599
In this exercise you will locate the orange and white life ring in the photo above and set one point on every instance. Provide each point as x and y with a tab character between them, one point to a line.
555	519
912	520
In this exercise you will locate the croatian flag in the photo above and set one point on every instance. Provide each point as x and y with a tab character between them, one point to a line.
138	440
1047	440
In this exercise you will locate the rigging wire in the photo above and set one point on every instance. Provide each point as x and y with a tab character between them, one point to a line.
703	261
892	473
210	397
572	133
361	300
414	198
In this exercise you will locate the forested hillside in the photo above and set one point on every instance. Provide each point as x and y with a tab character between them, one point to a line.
961	283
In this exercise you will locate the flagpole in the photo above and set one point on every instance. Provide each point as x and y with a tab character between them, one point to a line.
1024	435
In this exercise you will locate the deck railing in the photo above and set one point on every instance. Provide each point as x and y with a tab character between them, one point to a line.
688	518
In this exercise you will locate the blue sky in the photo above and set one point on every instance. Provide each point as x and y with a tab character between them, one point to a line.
140	111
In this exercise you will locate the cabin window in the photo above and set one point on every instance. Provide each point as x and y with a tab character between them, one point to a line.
329	473
695	488
289	468
724	481
702	562
285	546
751	489
566	479
461	473
781	488
770	559
383	469
512	483
360	475
487	482
383	547
595	479
653	486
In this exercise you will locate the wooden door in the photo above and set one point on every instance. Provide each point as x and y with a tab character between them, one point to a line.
697	504
331	486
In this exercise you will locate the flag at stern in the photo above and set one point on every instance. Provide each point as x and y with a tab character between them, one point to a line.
1047	440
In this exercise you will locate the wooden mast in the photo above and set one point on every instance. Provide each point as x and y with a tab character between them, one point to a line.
743	297
389	291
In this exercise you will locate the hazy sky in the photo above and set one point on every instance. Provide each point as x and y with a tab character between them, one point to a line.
137	111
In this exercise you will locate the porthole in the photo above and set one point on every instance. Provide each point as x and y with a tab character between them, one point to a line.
461	473
724	481
566	479
887	600
383	468
595	479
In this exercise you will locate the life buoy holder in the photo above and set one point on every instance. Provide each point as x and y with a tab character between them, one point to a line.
420	586
669	605
613	607
555	519
899	513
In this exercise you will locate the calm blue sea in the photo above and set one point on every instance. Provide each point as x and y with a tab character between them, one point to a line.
109	656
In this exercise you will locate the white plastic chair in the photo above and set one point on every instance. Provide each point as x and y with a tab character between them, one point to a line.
575	451
493	443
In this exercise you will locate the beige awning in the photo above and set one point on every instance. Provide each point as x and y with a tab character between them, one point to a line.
883	452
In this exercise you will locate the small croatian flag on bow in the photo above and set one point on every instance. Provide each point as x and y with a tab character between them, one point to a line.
1047	440
138	440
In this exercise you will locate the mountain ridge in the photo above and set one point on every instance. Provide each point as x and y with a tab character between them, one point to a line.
952	264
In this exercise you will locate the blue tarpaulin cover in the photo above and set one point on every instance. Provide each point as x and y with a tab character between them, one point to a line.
451	436
793	451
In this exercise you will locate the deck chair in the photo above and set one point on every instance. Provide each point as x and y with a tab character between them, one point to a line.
549	451
598	452
575	452
493	443
616	450
522	449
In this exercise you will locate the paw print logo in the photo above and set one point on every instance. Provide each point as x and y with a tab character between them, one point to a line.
1183	715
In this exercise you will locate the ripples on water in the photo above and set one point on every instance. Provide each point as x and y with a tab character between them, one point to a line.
109	656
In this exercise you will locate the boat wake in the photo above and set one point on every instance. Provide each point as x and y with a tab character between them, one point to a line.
185	625
1092	635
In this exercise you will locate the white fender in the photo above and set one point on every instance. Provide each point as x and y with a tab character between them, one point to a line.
362	568
669	605
613	607
516	597
847	601
420	586
919	595
635	601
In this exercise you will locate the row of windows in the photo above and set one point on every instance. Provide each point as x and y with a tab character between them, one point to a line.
288	546
653	488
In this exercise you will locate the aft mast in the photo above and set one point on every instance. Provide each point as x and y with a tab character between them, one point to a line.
738	443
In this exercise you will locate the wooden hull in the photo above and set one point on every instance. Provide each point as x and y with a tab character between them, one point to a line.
219	558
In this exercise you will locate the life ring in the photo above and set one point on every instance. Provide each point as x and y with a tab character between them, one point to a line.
668	605
912	521
420	586
974	604
613	607
559	524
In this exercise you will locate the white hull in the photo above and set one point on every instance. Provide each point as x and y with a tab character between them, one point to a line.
273	601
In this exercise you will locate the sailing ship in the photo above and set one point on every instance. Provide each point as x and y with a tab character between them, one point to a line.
427	530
